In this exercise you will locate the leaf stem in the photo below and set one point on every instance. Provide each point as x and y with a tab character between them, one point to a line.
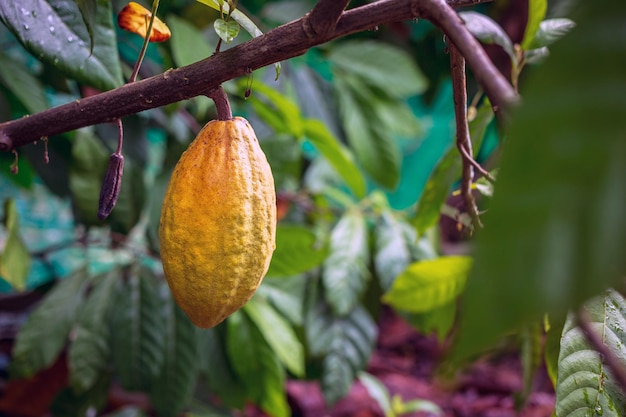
146	41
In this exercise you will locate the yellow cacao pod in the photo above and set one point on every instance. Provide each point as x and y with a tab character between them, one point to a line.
218	222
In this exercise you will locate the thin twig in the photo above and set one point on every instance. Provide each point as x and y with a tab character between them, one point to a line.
498	89
183	83
463	140
146	41
607	356
467	157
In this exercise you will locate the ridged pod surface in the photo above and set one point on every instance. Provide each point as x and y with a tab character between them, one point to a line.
218	222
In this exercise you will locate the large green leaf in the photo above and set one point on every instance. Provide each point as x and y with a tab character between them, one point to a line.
55	33
89	352
257	365
381	65
88	165
337	155
375	149
14	258
555	232
297	251
26	87
429	284
286	295
345	273
172	388
138	339
45	332
217	370
392	250
279	111
585	385
278	334
69	403
344	344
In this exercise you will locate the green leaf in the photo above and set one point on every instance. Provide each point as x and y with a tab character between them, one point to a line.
552	349
531	352
585	384
376	151
536	14
18	80
392	250
489	32
68	403
377	391
345	344
171	389
243	20
426	285
257	365
216	368
278	334
88	165
448	171
554	234
286	295
55	33
297	251
14	260
550	31
42	338
438	320
345	273
226	30
88	11
285	116
337	155
185	35
138	339
89	352
381	65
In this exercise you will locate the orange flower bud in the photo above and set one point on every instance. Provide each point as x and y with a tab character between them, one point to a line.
135	18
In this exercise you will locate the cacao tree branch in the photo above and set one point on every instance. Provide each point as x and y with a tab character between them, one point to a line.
324	16
284	42
463	139
496	86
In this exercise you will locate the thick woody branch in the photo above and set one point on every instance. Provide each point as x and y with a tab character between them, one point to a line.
498	89
324	16
284	42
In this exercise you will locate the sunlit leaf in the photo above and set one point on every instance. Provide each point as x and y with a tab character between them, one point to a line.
377	391
187	34
429	284
536	14
14	258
